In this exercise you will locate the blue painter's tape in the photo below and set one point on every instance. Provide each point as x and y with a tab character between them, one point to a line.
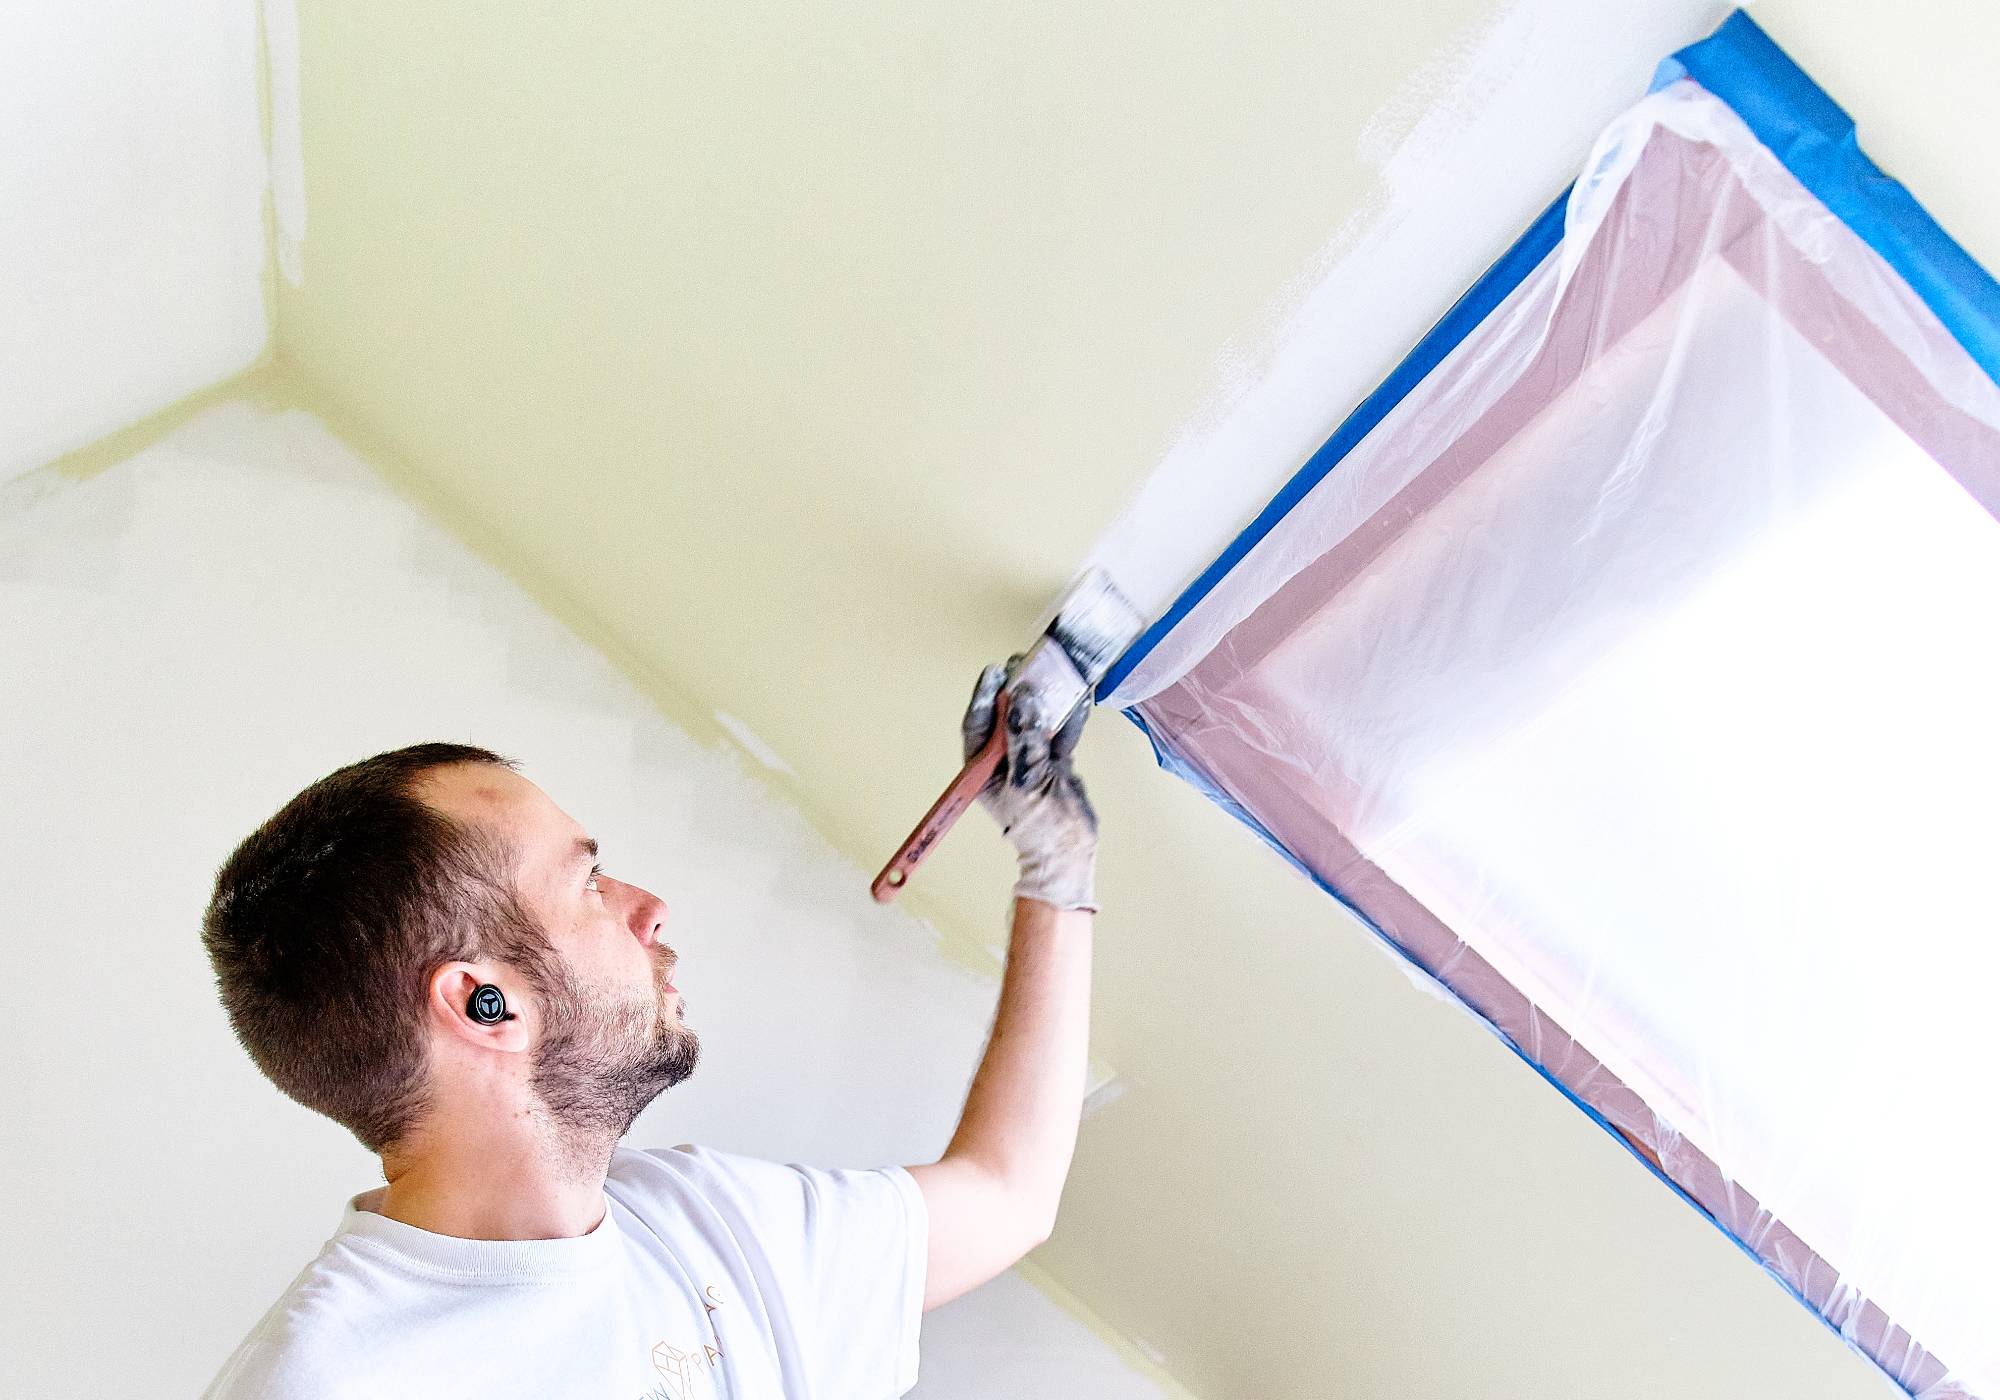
1795	119
1467	312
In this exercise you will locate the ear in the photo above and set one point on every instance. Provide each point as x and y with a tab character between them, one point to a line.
451	988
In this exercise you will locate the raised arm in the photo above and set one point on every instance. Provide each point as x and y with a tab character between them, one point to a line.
992	1196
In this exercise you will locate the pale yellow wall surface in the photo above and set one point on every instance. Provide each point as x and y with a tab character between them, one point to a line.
803	354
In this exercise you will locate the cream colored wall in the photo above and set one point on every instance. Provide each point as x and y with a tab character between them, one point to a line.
805	352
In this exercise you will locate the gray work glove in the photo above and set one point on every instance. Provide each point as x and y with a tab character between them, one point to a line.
1035	796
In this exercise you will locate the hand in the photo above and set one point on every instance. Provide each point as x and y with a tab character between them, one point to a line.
1034	795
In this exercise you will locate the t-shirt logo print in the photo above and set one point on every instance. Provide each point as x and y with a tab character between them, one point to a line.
676	1367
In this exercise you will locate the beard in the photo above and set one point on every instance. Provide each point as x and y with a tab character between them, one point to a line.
606	1053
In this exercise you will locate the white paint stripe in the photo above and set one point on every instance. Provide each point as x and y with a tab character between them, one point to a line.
1470	149
748	739
287	153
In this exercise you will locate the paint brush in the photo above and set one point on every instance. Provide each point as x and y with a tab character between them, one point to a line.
1093	625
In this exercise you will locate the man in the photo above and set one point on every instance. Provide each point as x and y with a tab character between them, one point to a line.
423	947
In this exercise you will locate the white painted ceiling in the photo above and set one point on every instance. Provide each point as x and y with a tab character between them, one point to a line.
131	230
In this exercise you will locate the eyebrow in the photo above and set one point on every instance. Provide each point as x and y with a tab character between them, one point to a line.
584	849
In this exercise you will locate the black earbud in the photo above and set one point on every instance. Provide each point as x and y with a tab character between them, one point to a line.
488	1006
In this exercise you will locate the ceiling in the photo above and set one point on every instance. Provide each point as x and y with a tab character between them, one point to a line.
797	357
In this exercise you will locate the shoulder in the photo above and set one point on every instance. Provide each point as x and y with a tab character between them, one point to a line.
280	1361
692	1180
697	1171
687	1162
307	1345
270	1366
692	1173
783	1205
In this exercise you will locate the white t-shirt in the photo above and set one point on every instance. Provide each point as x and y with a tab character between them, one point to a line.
711	1277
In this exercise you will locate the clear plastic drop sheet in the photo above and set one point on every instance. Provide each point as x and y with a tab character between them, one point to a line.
1637	677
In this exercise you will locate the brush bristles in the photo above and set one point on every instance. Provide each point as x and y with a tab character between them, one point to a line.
1095	624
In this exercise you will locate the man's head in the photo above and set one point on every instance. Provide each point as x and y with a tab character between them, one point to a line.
350	930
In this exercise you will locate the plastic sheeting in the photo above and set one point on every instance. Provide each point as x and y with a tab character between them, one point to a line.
1634	675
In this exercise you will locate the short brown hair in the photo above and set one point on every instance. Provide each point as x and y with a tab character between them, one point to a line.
327	922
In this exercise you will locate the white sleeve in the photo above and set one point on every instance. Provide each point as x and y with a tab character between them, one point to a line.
848	1250
260	1369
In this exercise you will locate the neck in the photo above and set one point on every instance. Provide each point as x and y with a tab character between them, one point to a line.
496	1187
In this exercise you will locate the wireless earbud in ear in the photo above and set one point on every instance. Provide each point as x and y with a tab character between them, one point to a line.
488	1006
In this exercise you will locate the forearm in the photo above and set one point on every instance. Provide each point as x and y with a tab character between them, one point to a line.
1021	1114
992	1196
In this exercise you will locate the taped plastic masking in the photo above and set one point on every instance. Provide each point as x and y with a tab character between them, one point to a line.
1632	676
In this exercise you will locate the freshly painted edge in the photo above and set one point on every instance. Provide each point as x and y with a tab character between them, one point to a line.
1478	301
257	383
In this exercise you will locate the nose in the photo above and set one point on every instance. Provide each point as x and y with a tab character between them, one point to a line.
647	916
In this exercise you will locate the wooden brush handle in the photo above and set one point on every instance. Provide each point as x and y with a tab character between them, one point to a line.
945	812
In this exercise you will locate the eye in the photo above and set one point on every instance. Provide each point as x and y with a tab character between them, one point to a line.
596	873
